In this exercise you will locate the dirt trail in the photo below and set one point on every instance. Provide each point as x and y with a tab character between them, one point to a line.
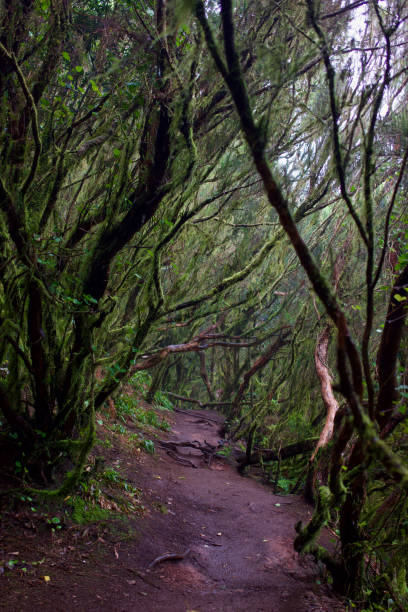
239	536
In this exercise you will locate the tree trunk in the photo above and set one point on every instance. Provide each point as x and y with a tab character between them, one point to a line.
332	406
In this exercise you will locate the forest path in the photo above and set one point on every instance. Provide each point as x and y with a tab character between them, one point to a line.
238	534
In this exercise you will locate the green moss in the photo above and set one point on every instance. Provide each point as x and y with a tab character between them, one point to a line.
84	511
307	536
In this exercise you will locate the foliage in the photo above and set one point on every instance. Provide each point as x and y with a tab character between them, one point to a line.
94	141
127	407
85	511
140	381
201	192
161	401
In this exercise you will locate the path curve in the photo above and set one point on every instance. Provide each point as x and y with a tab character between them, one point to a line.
239	534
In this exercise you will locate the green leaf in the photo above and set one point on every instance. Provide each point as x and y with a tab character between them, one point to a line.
116	152
399	298
95	87
66	56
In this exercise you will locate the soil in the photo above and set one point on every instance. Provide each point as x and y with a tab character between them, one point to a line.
232	537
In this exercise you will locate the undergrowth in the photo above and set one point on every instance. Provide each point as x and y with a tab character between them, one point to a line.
104	492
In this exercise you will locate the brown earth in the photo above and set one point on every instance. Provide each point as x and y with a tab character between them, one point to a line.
234	536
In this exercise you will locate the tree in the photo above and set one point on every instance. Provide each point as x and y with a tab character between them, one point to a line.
185	187
101	171
354	112
94	141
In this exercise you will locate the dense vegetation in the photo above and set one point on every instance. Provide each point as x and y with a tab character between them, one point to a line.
215	194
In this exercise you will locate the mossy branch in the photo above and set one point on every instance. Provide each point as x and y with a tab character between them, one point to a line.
34	118
331	77
307	535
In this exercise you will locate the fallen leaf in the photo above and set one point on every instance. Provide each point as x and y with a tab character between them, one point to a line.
47	579
277	505
219	533
154	476
131	582
116	553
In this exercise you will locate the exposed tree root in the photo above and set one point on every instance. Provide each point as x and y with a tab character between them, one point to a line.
286	452
207	450
168	557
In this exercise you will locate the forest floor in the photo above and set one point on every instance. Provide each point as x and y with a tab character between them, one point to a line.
234	537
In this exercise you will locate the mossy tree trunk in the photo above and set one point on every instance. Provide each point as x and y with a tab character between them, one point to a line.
94	141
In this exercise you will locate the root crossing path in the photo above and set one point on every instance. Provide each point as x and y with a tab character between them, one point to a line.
212	541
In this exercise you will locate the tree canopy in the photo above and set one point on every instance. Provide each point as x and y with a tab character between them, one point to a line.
215	193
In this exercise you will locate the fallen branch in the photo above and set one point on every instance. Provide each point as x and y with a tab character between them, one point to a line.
267	454
202	405
168	557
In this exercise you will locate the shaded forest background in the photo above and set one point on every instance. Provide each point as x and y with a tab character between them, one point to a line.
211	199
